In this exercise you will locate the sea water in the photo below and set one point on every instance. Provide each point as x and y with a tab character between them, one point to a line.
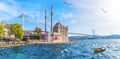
82	49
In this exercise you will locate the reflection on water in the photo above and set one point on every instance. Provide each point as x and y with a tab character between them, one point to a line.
79	50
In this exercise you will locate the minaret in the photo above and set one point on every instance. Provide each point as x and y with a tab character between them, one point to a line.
45	20
51	19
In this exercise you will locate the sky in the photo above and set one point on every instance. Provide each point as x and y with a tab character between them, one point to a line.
81	16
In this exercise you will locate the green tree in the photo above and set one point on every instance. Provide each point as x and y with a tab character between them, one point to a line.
2	33
17	30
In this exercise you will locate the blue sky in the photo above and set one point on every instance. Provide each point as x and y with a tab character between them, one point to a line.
82	16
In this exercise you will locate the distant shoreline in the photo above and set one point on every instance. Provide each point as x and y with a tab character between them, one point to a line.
96	39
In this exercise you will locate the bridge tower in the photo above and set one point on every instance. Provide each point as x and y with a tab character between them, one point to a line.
93	33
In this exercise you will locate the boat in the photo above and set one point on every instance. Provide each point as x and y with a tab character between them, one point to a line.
99	50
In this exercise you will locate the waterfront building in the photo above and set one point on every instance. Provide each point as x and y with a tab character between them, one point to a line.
12	37
6	32
59	34
27	32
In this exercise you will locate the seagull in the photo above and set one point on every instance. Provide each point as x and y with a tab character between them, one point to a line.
104	10
66	3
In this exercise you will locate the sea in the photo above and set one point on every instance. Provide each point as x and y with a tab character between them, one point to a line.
82	49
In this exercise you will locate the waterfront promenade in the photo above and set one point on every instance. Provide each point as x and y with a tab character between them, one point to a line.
31	42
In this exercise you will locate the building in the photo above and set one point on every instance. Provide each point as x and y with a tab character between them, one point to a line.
27	32
59	34
6	32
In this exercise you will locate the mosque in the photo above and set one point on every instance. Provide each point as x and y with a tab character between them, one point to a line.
58	32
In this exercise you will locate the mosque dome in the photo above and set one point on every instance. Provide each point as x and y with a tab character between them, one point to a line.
59	24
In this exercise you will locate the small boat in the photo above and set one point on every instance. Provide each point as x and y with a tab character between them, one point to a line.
99	50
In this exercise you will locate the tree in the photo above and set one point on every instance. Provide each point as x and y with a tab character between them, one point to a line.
6	26
17	30
2	33
38	31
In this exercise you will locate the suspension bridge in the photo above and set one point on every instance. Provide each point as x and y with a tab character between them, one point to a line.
24	16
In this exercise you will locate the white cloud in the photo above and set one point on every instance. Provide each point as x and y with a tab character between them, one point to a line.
66	16
73	22
10	11
90	16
